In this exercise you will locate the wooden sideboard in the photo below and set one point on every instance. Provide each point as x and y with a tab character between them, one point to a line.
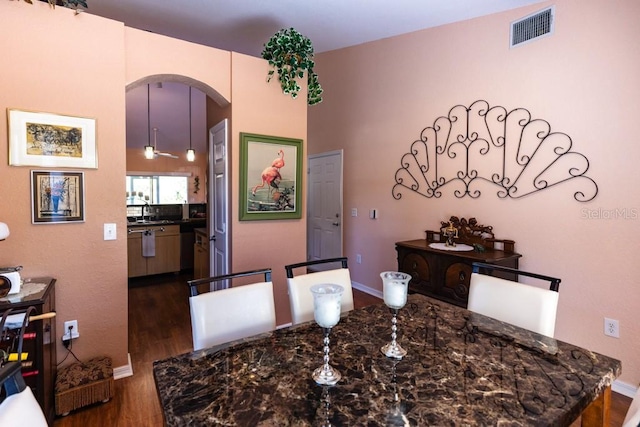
444	271
39	368
445	274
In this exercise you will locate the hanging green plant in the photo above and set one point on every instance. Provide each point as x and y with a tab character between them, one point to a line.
291	54
71	4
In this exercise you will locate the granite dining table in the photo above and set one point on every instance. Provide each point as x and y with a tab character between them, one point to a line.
462	368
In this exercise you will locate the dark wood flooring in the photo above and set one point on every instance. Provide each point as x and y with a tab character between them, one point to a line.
159	327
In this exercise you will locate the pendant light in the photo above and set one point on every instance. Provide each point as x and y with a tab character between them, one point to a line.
191	153
149	151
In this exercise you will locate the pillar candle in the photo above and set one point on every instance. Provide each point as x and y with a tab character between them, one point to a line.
395	294
326	304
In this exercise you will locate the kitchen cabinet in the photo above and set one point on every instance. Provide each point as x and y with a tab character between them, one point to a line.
201	254
39	367
167	250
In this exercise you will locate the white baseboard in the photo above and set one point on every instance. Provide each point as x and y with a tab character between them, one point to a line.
284	325
123	371
617	386
624	388
366	289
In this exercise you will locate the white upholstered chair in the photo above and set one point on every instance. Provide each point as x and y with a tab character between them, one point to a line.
233	313
300	297
523	305
632	418
19	407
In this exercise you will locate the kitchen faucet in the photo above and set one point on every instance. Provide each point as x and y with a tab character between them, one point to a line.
146	206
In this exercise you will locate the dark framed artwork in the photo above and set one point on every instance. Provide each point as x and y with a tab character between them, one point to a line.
270	177
57	197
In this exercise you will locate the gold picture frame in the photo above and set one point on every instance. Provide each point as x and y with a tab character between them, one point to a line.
57	196
51	140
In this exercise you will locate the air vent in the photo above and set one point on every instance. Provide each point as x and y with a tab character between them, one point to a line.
532	27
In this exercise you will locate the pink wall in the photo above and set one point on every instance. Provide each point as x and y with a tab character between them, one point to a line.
149	54
266	111
583	80
87	76
82	76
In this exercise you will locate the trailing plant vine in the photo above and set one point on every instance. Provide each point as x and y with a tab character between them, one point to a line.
291	54
71	4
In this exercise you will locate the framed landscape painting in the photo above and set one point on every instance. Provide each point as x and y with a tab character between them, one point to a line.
270	177
51	140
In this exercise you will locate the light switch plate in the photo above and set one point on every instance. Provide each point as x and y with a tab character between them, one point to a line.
110	231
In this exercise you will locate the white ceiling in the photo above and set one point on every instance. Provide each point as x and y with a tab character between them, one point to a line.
245	25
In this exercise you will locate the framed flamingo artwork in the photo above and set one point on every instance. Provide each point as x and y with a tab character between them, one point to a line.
270	177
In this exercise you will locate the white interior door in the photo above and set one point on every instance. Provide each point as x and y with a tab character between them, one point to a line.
324	206
219	198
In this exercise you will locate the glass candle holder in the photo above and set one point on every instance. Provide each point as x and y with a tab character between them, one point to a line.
326	311
395	286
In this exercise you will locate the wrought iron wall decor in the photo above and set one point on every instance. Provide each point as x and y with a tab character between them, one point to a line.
532	158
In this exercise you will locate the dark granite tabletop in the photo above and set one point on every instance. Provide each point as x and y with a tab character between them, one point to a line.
461	369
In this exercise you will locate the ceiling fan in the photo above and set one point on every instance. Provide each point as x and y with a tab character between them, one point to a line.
157	153
151	151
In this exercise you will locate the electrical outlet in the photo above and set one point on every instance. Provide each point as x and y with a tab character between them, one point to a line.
354	211
74	330
358	259
611	327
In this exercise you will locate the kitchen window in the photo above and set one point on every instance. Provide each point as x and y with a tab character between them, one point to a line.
157	189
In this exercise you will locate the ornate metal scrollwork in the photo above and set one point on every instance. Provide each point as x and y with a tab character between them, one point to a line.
453	151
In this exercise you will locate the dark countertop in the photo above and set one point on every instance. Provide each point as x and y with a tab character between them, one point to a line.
461	369
487	255
191	223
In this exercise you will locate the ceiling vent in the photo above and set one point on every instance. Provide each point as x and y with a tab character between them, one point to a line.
532	27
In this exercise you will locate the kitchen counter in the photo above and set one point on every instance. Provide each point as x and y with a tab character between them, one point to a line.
192	222
181	250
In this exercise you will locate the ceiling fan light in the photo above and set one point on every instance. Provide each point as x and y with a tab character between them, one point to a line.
191	155
148	152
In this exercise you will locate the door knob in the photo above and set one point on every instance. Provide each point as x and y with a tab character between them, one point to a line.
336	224
212	238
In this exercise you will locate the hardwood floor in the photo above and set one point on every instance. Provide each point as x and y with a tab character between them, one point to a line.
159	327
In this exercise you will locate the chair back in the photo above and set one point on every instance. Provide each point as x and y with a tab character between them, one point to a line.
234	313
632	419
300	297
526	306
19	407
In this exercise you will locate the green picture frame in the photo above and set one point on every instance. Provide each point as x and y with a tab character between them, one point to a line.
270	177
